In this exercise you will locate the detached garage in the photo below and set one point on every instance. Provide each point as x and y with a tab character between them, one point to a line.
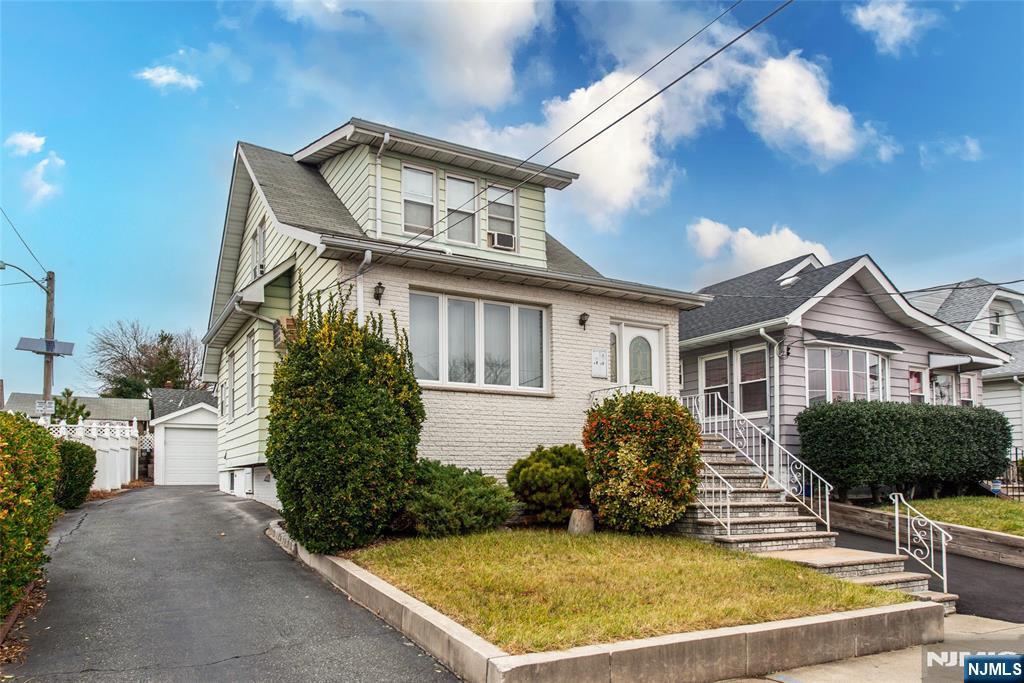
185	444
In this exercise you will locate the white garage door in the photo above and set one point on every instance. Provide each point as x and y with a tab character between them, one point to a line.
191	455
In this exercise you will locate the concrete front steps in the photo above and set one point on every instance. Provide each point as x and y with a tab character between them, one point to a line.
766	523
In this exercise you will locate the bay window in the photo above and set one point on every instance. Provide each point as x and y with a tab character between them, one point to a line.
417	201
752	382
843	374
484	343
460	199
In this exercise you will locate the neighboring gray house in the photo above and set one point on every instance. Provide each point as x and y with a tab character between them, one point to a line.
995	314
101	410
167	401
779	339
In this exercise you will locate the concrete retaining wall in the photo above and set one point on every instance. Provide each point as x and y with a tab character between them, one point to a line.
723	653
978	543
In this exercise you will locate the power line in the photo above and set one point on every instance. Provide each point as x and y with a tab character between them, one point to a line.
858	295
18	233
405	246
20	282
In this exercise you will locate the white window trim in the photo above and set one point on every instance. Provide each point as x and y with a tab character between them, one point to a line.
515	213
997	318
221	402
433	187
736	379
974	389
472	209
702	380
478	311
250	377
954	385
884	378
926	382
231	387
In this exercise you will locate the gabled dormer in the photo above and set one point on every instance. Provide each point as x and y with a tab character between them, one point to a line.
400	185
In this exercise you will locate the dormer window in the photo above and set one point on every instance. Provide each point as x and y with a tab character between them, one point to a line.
257	250
460	195
501	218
417	201
995	322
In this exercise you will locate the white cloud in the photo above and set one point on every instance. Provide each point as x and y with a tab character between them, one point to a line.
35	182
465	49
789	106
729	252
964	148
893	25
24	143
163	77
215	57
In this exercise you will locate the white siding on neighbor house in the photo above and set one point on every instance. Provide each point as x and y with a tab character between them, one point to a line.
1013	328
1007	397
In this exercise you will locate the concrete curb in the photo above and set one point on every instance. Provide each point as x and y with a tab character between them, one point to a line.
982	544
733	652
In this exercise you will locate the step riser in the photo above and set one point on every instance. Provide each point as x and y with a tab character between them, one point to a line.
792	544
905	586
746	513
752	496
746	529
851	571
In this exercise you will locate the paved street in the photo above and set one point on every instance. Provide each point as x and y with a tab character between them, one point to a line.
180	584
986	589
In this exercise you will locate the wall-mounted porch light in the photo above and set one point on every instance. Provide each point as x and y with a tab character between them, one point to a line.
584	317
378	292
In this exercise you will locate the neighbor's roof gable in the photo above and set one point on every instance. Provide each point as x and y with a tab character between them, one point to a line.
965	301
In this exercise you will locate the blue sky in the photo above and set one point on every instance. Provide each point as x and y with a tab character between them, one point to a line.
844	128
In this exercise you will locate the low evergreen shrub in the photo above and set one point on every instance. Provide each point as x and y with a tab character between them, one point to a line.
550	482
77	472
345	419
643	460
447	500
902	445
29	467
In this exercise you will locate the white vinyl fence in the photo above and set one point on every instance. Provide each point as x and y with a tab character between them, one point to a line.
117	449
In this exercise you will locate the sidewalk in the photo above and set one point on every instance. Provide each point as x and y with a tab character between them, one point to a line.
900	666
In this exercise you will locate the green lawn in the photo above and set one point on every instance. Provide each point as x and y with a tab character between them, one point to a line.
982	512
531	591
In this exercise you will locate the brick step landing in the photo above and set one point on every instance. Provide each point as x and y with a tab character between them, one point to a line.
882	570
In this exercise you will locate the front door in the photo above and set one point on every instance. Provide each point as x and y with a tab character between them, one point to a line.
638	361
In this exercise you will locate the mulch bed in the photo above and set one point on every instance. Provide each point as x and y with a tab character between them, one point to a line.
15	643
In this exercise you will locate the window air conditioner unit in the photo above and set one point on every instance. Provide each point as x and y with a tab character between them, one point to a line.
258	270
501	240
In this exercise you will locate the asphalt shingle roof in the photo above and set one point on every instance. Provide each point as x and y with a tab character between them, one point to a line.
761	297
869	342
299	196
99	408
1014	367
167	401
962	306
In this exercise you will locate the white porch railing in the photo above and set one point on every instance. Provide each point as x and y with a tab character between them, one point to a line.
919	538
599	395
787	471
716	496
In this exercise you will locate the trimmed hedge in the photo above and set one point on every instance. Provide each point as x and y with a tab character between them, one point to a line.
902	445
77	472
550	482
643	460
448	500
345	419
29	466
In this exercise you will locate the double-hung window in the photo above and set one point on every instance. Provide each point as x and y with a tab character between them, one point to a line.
257	250
752	380
231	387
966	390
942	389
250	366
417	201
713	375
995	321
460	199
918	386
460	341
842	374
501	210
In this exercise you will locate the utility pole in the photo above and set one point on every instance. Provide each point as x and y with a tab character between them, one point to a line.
48	358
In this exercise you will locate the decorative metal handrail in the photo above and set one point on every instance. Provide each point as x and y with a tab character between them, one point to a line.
921	535
787	471
716	496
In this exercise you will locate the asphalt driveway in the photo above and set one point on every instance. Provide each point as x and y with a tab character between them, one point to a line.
180	584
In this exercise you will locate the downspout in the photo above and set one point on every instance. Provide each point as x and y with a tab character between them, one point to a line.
776	426
377	217
367	257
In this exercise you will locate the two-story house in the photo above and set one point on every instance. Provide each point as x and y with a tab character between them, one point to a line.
995	314
511	332
779	339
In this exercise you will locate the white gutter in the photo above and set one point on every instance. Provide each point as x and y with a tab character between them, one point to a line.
776	422
377	217
733	333
367	257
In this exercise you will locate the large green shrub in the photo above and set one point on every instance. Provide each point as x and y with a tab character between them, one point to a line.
643	460
448	500
345	419
550	482
77	472
902	445
28	474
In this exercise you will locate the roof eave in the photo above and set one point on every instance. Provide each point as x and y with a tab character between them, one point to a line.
733	333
